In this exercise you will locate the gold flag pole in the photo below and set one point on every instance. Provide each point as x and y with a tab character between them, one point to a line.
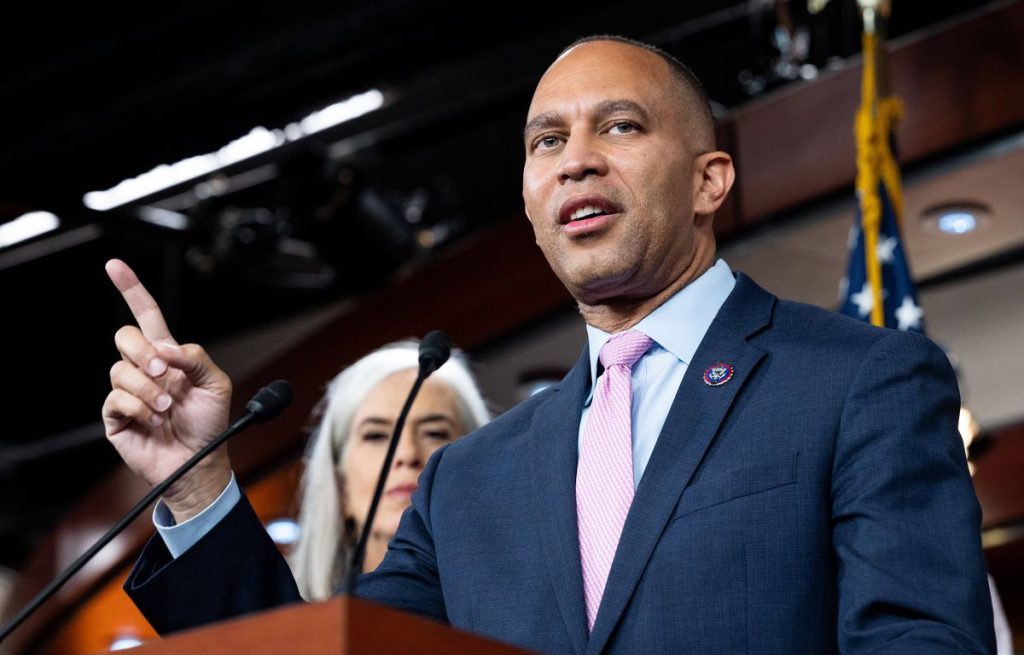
875	160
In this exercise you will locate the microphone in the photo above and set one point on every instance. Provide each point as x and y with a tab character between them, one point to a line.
434	352
268	402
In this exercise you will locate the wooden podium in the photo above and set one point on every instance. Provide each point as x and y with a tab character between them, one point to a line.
335	627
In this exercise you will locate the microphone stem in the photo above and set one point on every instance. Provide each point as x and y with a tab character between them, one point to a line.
241	423
360	552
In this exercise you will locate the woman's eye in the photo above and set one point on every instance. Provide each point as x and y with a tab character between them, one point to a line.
440	435
376	436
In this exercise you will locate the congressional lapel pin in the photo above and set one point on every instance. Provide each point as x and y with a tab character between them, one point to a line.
718	374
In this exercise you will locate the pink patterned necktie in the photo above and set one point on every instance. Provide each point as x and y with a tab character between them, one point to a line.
604	475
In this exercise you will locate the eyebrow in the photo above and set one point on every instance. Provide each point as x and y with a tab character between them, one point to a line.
376	421
434	417
542	122
604	109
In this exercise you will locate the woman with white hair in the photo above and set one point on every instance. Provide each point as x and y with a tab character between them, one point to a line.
346	452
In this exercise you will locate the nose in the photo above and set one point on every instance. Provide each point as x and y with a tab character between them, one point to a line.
581	157
408	452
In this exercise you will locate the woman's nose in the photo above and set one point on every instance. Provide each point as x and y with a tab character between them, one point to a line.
408	452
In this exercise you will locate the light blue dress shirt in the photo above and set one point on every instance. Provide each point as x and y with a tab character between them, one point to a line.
180	537
676	327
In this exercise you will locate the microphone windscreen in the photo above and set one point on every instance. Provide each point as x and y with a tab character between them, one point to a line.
271	400
434	351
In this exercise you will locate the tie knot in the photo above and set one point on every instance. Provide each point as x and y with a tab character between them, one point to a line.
625	349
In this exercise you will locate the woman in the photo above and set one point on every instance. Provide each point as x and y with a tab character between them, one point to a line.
345	455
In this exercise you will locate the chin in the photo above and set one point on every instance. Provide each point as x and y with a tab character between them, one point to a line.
593	285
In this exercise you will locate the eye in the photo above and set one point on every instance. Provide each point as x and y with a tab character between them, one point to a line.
375	435
438	434
623	127
547	142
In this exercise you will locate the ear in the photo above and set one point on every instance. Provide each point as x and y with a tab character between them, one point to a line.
716	175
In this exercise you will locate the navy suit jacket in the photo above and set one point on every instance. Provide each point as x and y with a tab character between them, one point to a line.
817	502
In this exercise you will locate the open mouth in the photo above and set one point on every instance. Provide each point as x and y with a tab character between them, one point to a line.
582	209
584	213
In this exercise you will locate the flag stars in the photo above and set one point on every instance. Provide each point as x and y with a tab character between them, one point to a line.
885	249
908	315
864	300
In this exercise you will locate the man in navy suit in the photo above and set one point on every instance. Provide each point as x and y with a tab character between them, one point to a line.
799	483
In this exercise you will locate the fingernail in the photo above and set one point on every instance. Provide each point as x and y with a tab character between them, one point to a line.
163	401
156	366
156	420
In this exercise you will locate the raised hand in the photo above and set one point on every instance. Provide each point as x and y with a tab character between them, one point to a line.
167	401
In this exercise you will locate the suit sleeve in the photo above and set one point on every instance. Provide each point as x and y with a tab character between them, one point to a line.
234	569
906	522
408	578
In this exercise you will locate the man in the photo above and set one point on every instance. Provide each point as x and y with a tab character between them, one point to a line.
788	481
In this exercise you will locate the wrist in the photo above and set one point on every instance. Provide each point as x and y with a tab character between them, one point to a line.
198	489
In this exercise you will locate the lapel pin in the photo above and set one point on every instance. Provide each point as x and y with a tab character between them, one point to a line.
718	374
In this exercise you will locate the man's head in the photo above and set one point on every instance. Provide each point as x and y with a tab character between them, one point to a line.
621	178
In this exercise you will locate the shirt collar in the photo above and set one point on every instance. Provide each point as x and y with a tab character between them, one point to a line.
679	324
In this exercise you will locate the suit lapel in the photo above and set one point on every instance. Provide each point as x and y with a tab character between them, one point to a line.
555	431
691	425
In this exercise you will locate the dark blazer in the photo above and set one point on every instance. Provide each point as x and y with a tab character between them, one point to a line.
816	502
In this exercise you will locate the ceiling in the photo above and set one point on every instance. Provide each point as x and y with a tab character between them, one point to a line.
95	95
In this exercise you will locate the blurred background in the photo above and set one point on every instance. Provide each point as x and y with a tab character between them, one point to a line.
300	182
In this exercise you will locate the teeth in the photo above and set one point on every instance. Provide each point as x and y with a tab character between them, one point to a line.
584	211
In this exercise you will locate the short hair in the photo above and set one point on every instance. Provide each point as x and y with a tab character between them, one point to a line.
691	89
320	558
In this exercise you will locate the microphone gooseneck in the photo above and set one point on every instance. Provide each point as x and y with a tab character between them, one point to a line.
434	352
268	402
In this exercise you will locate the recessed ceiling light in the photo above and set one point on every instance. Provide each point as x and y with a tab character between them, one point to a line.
958	222
955	219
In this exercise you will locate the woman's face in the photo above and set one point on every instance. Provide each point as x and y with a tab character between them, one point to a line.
432	422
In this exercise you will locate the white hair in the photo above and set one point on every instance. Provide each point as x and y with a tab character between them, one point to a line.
320	557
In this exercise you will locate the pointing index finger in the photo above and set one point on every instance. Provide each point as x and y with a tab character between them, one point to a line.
145	310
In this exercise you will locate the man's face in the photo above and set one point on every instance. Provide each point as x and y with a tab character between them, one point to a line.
609	179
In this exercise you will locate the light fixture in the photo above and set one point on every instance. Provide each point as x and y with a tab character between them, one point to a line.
960	222
259	140
955	219
27	226
284	532
124	643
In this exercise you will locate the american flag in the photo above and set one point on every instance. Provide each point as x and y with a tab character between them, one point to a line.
878	287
